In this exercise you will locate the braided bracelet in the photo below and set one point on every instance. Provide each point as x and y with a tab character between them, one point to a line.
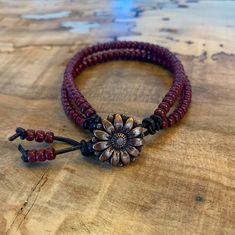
117	139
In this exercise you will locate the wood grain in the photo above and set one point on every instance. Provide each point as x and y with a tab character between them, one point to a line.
184	181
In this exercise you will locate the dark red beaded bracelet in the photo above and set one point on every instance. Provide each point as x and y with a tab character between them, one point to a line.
118	138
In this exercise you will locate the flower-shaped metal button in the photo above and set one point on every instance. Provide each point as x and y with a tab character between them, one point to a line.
118	139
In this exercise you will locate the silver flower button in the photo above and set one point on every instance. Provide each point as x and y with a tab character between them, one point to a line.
118	139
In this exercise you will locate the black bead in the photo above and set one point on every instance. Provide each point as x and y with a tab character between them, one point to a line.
21	131
158	121
149	124
86	148
152	124
91	123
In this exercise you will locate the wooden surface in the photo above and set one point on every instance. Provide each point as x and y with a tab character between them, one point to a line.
184	181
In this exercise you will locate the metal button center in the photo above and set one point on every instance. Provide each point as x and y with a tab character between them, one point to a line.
119	140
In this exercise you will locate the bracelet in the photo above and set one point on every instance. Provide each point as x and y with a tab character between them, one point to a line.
118	138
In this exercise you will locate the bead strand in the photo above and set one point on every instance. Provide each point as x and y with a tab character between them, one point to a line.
77	61
70	109
30	135
39	155
126	51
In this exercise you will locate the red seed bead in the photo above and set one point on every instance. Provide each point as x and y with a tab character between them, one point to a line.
184	107
164	124
160	112
169	100
40	135
111	55
50	154
31	155
171	120
30	135
176	90
176	116
71	113
74	116
165	106
172	95
80	101
90	112
181	112
84	107
40	155
79	121
49	138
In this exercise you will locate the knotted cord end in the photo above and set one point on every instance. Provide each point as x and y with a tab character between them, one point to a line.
48	137
152	124
91	123
20	132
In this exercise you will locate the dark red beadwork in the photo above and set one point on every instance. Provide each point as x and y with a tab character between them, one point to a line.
30	135
50	154
78	108
49	138
40	135
40	157
31	155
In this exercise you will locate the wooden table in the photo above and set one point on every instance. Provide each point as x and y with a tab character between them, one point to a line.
184	181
